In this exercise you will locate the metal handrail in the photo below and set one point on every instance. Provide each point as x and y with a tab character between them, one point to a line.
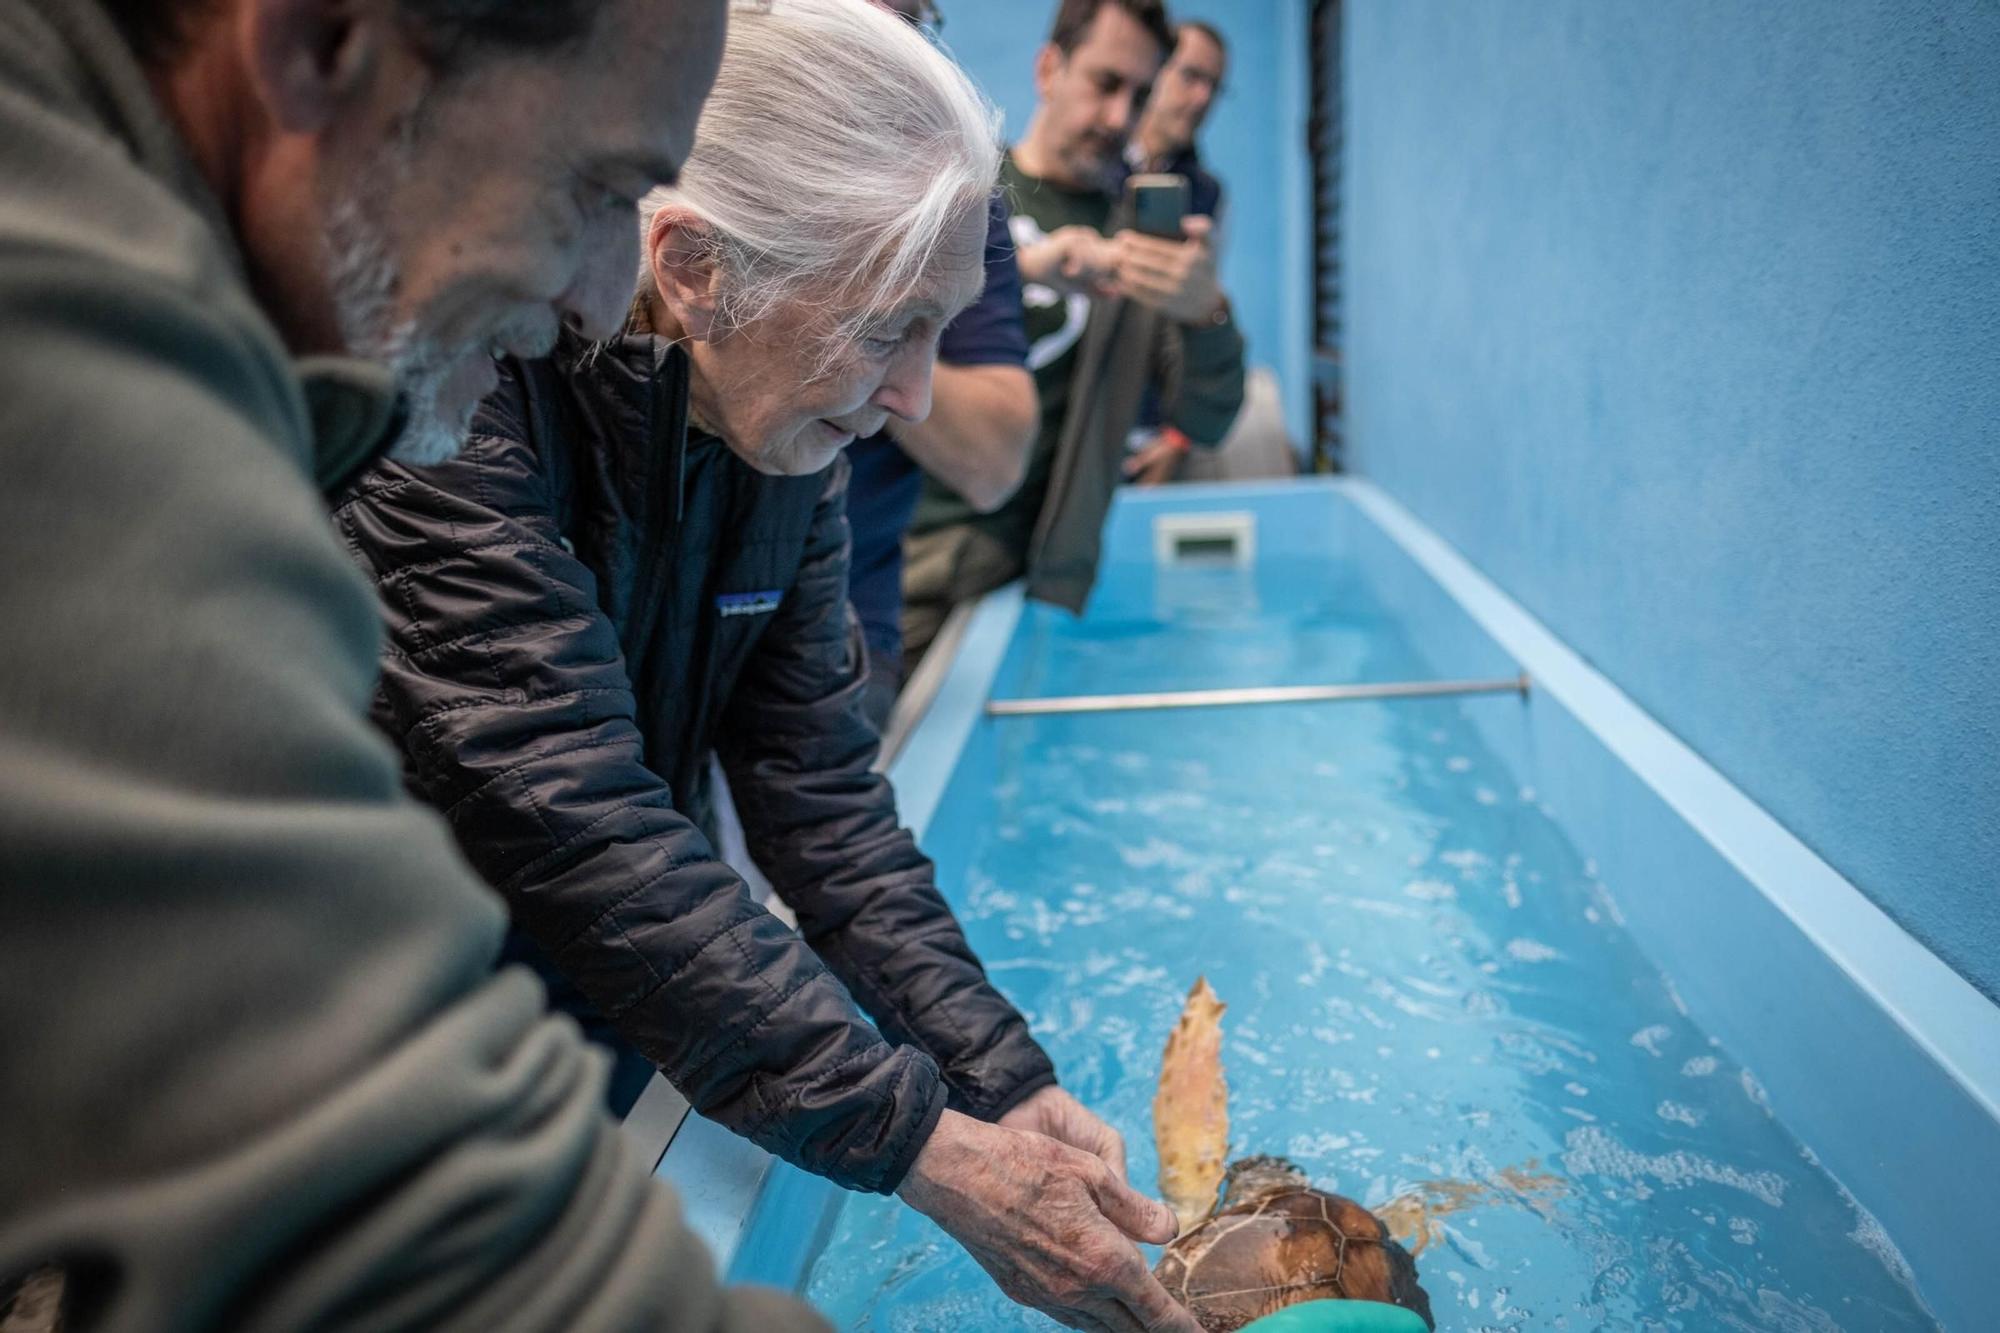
1276	694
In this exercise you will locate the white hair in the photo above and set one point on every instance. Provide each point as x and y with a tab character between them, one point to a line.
836	153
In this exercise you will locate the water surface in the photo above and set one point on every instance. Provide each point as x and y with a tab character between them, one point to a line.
1425	981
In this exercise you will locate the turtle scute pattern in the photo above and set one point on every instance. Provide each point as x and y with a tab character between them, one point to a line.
1266	1249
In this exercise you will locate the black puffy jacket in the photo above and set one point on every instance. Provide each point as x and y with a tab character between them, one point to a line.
582	607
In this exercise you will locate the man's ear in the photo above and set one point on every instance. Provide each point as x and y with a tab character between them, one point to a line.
685	274
310	58
1048	63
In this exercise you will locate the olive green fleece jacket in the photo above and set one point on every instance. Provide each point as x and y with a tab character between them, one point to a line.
255	1069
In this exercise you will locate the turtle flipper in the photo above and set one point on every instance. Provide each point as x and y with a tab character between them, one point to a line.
1191	1108
1404	1289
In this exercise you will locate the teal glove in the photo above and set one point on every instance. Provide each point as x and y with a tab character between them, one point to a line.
1339	1317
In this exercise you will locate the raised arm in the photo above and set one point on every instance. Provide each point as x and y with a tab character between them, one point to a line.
984	411
976	439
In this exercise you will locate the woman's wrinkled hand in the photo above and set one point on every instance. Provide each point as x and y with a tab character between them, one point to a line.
1053	1224
1053	1112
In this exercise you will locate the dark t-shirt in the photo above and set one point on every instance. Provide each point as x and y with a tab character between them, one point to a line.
1055	324
886	481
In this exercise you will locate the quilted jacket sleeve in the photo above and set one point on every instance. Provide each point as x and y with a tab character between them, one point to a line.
799	753
506	690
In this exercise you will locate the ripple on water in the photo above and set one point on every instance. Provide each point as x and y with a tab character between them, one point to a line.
1466	862
1650	1039
1308	1148
1594	1152
1531	951
1680	1114
1431	891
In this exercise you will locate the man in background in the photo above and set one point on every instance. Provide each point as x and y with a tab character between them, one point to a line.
258	1071
1174	115
1109	313
975	441
1165	143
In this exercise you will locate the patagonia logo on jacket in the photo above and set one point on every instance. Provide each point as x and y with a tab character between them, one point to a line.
749	603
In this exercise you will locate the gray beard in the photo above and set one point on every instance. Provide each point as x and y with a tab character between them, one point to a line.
365	278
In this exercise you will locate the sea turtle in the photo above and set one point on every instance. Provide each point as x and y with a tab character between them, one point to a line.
1271	1240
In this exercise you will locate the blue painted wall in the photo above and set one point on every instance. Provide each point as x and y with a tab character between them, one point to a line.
1682	321
1255	140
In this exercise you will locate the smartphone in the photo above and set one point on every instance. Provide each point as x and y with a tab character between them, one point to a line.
1158	202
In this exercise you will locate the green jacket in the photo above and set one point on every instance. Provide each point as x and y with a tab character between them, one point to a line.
255	1070
1125	347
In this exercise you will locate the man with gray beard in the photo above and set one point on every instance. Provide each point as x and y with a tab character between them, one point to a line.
257	1070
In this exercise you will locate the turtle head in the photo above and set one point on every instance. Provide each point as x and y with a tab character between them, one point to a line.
1253	1178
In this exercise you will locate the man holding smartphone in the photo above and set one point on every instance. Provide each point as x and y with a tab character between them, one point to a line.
1110	313
1186	93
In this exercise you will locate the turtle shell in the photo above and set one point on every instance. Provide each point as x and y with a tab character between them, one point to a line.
1274	1241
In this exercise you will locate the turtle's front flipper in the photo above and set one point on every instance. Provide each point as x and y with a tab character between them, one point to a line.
1191	1109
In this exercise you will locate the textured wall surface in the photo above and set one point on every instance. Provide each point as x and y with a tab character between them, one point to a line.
1683	323
1255	140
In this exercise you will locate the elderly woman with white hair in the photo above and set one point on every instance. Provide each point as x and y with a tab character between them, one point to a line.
639	562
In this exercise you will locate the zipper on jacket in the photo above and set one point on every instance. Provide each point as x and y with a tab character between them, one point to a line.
667	418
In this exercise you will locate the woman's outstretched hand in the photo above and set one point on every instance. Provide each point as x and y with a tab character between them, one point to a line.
1054	1224
1053	1112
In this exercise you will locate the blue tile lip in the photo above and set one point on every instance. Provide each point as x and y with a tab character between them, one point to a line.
925	766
